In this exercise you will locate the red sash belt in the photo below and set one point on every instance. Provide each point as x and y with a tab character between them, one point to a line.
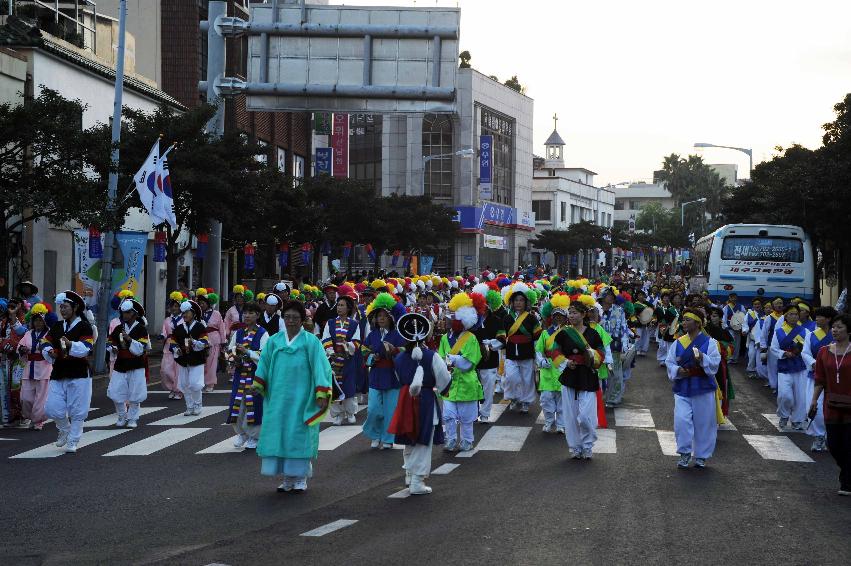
579	359
519	339
382	363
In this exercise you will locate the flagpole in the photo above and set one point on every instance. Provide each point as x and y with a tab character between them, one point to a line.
109	237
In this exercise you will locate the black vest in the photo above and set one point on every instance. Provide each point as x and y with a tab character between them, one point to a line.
65	366
273	326
125	361
179	336
488	331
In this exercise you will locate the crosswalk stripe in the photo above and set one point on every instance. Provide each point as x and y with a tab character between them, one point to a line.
335	436
224	447
668	442
772	447
636	418
90	437
161	441
109	420
496	411
163	392
504	438
775	422
728	425
181	419
329	528
444	469
606	441
402	494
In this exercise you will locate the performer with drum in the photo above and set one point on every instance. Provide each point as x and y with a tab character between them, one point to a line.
733	319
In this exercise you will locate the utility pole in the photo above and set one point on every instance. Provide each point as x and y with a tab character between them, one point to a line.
215	127
105	293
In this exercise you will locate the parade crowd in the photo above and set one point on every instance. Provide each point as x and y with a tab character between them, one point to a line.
428	355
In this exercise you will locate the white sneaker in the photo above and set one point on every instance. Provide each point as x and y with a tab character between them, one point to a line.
132	424
300	485
25	423
548	428
171	394
71	448
350	419
418	487
286	485
560	430
337	421
121	421
239	441
386	446
375	444
208	389
188	413
196	411
251	443
62	439
407	478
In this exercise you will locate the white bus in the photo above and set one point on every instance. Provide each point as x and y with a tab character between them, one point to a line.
763	260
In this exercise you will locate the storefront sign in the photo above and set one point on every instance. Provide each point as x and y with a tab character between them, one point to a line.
340	144
486	167
324	155
474	218
495	242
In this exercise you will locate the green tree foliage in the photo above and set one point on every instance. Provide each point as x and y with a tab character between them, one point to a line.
514	84
806	188
579	236
212	178
690	179
662	226
43	162
465	60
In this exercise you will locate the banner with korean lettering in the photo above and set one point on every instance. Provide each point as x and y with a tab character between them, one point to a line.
340	145
486	167
129	265
324	157
322	123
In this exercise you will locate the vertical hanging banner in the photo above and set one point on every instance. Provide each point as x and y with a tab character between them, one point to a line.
95	243
129	260
283	254
249	257
347	250
201	250
322	123
324	158
340	145
306	252
394	261
160	240
326	248
486	167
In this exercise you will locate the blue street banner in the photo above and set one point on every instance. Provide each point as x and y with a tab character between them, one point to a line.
324	156
486	167
426	263
130	263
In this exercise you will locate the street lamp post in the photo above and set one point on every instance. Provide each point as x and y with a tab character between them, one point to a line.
466	153
683	209
745	150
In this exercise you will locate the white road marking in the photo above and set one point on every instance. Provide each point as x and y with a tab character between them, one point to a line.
668	442
224	447
541	419
161	441
637	418
330	528
606	441
772	447
178	420
496	411
728	425
504	438
335	436
444	469
775	421
90	437
109	420
467	454
404	494
9	439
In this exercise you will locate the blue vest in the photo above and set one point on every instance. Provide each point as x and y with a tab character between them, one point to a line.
815	345
787	342
699	382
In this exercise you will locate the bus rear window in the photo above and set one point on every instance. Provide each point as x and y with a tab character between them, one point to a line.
755	248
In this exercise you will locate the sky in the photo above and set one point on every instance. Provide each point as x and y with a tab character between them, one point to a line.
634	81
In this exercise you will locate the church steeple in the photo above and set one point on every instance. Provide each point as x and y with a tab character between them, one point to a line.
554	147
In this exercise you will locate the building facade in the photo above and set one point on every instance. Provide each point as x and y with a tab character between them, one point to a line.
562	196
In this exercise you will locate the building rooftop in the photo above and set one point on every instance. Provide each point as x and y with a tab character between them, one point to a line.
24	33
554	139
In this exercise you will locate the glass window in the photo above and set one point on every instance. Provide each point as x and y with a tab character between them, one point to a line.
542	210
437	140
618	205
756	248
365	148
501	127
633	205
564	212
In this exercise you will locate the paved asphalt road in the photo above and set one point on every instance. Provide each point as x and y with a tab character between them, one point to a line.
519	500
